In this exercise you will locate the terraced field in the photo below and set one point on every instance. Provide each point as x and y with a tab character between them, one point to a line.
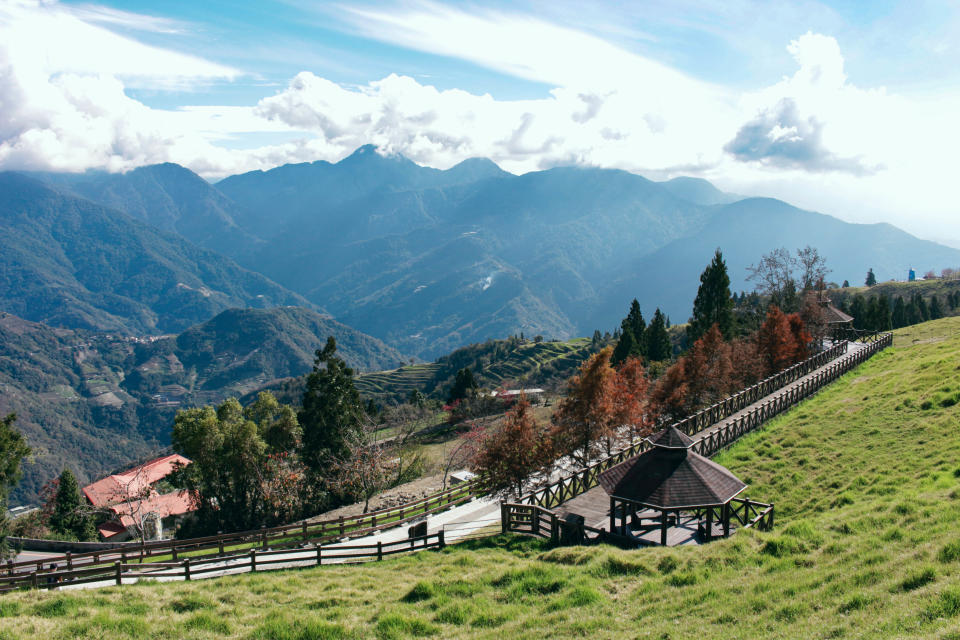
528	363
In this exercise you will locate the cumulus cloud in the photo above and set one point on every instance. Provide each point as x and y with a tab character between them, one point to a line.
780	137
806	121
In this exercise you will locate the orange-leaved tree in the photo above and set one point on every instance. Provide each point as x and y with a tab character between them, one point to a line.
708	371
586	416
775	342
630	406
518	451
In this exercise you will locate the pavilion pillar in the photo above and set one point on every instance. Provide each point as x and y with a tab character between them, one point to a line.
726	519
613	515
663	527
709	523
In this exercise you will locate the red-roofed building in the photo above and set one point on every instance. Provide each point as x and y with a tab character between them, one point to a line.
135	503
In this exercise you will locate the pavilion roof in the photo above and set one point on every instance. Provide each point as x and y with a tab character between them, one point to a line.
670	438
674	478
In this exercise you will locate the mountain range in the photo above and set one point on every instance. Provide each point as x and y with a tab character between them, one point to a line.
429	260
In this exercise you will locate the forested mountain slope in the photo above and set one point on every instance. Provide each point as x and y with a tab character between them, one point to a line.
66	261
97	401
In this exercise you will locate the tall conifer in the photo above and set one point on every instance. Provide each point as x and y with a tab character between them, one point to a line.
713	304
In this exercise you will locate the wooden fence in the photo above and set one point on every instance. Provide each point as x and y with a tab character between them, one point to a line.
118	571
283	537
534	520
710	443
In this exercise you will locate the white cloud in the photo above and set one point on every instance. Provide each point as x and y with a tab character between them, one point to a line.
814	138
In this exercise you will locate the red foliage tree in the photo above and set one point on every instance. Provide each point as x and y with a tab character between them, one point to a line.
668	396
586	415
801	337
745	357
708	370
775	342
630	406
518	450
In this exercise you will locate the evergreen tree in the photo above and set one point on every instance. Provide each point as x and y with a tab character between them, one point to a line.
936	311
922	307
597	339
67	517
634	320
846	283
858	309
899	317
13	449
332	413
884	313
871	279
914	316
463	384
626	347
631	342
713	304
872	320
658	340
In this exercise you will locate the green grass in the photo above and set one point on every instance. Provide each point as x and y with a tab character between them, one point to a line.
866	545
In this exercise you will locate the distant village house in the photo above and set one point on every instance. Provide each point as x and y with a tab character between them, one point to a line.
137	506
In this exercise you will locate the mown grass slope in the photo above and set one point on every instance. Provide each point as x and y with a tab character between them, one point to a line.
865	476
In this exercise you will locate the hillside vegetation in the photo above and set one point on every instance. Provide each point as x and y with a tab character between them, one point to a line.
114	398
494	363
866	481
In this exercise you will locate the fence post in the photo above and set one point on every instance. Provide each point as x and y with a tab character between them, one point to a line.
69	561
263	535
220	542
379	550
253	560
119	572
173	552
341	525
36	581
304	530
186	569
504	517
319	555
440	539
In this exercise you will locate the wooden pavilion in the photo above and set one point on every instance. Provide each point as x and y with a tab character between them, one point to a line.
653	489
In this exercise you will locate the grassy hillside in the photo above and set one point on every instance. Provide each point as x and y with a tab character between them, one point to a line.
866	481
926	288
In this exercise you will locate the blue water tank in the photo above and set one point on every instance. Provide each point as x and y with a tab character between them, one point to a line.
911	276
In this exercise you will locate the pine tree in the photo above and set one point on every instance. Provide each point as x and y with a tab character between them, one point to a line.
13	449
884	313
871	279
846	283
713	304
67	517
627	347
899	316
463	384
922	307
658	340
858	309
935	309
332	413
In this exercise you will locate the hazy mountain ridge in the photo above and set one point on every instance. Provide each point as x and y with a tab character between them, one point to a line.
67	261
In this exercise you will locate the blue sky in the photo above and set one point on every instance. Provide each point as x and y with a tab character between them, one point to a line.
843	107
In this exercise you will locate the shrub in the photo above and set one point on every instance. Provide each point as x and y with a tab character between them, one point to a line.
918	579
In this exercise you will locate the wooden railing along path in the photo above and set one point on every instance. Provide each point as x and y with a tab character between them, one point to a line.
282	537
532	519
571	486
191	568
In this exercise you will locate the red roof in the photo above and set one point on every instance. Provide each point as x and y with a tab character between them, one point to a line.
132	483
167	504
109	529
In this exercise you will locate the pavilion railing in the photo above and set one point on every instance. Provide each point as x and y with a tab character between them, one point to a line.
708	444
750	513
